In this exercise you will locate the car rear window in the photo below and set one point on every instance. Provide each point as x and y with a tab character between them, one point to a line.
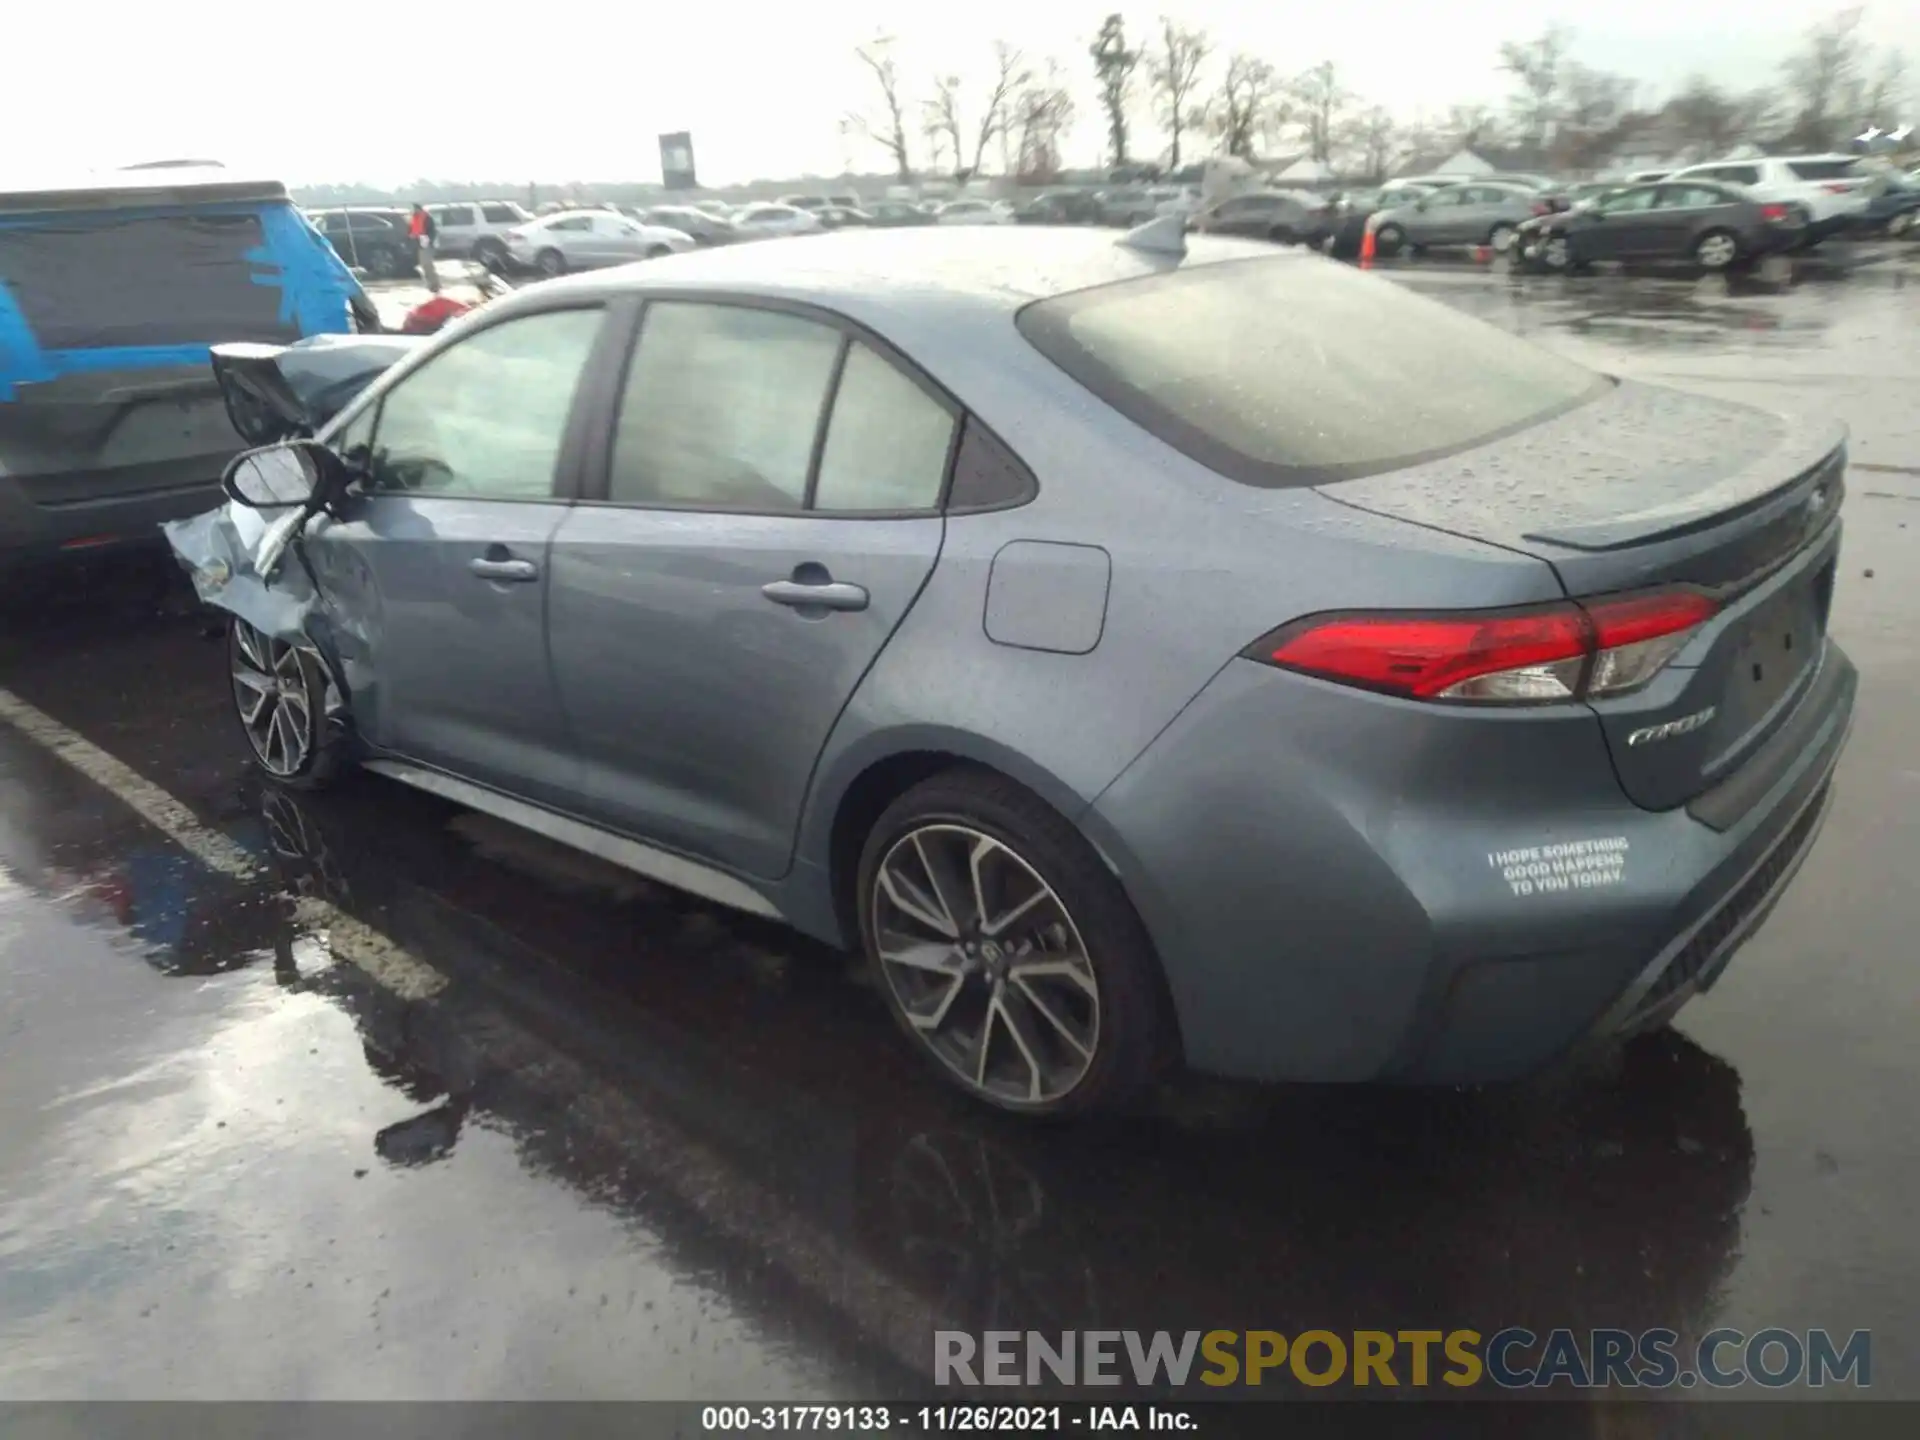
105	280
1289	371
1823	169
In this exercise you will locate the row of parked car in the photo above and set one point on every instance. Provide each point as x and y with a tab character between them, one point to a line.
1715	215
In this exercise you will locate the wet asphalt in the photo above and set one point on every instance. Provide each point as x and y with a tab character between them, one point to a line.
390	1100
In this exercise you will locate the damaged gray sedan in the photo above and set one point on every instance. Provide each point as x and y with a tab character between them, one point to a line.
1145	651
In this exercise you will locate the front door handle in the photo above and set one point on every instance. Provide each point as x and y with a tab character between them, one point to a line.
825	595
504	570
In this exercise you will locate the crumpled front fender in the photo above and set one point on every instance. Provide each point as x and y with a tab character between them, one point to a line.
224	550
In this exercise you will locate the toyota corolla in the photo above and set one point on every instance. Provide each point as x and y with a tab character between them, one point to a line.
1154	651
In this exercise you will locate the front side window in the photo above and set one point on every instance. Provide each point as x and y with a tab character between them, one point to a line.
721	408
1279	374
486	417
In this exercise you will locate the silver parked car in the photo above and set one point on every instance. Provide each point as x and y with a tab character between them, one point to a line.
589	240
1141	650
1481	213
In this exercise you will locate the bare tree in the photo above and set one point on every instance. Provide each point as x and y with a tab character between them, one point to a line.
889	128
1009	74
942	122
1114	62
1469	126
1041	112
1322	106
1539	65
1706	118
1880	97
1596	112
1175	71
1248	93
1374	140
1824	77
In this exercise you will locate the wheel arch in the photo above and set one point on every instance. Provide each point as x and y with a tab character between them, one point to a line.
866	778
870	777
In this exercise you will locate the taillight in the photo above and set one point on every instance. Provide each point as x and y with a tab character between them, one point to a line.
1838	187
1563	651
1540	207
1773	212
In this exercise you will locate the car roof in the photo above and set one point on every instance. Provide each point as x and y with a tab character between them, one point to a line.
174	186
918	274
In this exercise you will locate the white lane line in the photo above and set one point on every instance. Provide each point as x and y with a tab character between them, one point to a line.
735	1204
349	939
147	799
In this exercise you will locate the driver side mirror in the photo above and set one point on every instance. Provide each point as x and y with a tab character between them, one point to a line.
277	477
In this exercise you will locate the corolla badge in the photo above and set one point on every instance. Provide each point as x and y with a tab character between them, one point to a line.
1684	725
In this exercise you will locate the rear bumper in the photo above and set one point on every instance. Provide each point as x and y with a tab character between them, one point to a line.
143	497
1346	909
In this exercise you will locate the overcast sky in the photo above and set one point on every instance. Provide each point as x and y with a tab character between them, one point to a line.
305	93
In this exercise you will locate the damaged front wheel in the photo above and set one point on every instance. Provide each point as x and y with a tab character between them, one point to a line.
280	696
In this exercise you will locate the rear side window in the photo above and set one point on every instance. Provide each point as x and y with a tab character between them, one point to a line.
500	214
887	441
1691	197
1276	372
104	280
1738	174
1823	169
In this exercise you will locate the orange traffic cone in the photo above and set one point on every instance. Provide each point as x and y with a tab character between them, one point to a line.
1366	245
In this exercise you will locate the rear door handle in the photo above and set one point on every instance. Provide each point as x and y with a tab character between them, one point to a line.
828	595
507	570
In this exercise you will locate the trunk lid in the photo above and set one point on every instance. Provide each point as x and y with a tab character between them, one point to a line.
287	392
1647	487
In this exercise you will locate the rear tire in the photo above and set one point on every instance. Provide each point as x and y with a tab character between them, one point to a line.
1030	982
490	255
1716	251
1283	235
280	694
1500	238
1390	239
550	262
655	252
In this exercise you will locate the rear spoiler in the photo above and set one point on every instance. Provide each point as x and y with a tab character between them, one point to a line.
288	392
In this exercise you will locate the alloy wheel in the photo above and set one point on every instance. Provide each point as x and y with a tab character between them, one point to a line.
270	690
986	964
1716	252
1557	253
1501	238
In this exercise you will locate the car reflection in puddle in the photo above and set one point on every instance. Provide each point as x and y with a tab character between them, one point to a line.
706	1075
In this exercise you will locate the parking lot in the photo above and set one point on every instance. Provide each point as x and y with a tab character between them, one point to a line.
362	1096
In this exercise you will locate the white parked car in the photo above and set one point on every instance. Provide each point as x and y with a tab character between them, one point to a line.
589	239
1831	189
973	212
475	230
770	218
